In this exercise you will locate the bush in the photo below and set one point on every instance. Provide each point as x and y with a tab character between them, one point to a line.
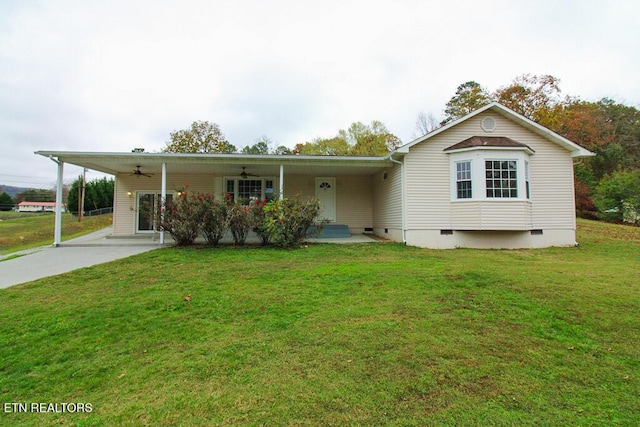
283	223
238	221
618	197
287	221
258	220
182	218
214	219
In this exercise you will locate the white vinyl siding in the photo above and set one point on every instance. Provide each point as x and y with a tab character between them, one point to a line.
354	202
431	202
489	215
428	195
387	199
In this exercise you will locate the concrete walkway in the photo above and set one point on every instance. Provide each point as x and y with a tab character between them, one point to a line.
85	251
97	248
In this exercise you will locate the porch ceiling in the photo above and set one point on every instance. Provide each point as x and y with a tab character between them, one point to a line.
221	164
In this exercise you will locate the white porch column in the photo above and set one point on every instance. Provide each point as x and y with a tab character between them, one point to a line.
57	233
163	200
281	182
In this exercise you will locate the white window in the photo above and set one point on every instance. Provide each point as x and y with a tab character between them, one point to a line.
501	178
248	190
483	175
464	186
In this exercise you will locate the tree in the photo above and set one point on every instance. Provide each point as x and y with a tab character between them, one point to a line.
357	140
469	97
425	123
336	146
372	140
98	194
202	137
260	147
282	150
532	96
609	129
6	202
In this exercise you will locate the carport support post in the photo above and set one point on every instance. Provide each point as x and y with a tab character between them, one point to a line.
163	201
281	182
57	232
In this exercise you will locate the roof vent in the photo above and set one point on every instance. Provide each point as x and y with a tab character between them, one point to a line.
488	124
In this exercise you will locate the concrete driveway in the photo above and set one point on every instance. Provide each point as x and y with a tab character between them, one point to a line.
85	251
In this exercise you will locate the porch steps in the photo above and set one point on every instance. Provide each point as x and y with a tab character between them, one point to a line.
330	231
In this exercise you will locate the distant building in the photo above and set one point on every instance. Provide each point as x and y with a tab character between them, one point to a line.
39	207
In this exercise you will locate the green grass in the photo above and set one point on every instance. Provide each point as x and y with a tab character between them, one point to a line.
375	334
20	231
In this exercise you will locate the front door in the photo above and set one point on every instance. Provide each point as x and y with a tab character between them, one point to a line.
326	195
147	211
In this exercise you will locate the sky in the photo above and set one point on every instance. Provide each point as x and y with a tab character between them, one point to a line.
112	75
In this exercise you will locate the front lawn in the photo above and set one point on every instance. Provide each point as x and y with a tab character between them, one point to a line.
27	230
371	334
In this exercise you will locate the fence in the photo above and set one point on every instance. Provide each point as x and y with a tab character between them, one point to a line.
99	211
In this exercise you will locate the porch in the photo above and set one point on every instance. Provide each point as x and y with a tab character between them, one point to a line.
345	186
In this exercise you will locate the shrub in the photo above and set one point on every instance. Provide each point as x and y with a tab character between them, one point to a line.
257	216
238	221
287	220
182	218
214	219
618	197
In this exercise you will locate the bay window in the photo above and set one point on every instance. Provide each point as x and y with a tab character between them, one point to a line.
478	175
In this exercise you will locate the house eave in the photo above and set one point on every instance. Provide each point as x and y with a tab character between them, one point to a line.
121	162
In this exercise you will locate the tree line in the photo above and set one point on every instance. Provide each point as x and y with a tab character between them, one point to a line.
7	202
98	195
359	139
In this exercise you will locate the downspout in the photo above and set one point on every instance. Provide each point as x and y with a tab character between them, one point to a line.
163	200
57	233
402	197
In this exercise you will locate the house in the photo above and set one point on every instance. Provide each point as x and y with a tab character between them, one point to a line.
492	179
37	207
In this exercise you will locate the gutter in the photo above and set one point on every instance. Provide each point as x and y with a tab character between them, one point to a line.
402	195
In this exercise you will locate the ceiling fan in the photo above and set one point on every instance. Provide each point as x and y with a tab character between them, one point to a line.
244	173
137	172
